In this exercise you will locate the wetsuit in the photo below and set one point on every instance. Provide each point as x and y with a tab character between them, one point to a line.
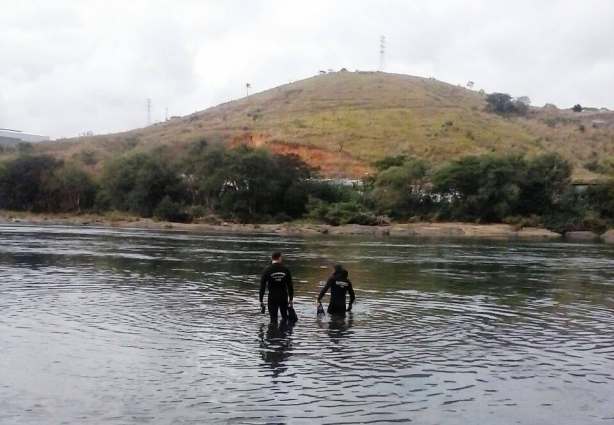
339	284
279	280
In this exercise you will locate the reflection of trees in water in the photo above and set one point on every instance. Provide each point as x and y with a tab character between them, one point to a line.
276	345
338	330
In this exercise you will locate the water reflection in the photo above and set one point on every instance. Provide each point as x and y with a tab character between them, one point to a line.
338	330
276	345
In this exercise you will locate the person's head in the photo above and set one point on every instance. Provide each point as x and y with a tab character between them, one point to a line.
276	257
337	268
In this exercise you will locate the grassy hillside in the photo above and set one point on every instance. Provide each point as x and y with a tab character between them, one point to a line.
343	121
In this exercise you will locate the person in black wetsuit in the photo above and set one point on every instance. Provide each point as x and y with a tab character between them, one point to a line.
279	280
338	284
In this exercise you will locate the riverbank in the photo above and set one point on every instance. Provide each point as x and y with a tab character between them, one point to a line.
410	229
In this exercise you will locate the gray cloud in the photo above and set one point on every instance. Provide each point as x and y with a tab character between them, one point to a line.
71	66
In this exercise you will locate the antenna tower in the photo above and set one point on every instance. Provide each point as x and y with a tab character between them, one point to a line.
148	111
382	54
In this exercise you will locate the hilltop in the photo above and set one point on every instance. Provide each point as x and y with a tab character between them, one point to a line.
344	121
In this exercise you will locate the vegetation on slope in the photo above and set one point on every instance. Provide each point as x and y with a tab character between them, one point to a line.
342	122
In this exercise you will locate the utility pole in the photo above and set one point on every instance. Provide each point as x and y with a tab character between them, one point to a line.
148	112
382	53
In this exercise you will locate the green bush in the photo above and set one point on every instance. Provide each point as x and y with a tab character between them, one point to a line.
341	213
167	210
196	212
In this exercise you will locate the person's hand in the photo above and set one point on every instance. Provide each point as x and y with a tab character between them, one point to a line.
318	303
290	303
261	304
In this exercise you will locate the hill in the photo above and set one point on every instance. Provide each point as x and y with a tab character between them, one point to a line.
344	121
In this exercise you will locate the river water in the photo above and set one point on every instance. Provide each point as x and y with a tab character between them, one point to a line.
108	326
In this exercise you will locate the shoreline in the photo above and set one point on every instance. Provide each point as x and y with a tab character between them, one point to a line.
422	229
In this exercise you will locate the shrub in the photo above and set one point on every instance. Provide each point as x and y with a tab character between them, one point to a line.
196	212
502	103
389	161
167	210
342	213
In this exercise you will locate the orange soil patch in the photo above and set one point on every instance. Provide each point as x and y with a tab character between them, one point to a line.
332	164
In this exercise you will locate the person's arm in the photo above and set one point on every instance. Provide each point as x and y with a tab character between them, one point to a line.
352	295
263	280
290	287
329	282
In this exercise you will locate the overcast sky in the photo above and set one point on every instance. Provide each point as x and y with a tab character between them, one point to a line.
68	67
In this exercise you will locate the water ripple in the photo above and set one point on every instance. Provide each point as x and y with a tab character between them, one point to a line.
125	326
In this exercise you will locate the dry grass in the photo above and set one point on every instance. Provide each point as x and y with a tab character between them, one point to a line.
343	121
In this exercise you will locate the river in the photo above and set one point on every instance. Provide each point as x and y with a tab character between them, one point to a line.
116	326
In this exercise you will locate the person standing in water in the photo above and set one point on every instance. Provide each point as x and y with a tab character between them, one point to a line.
279	280
339	285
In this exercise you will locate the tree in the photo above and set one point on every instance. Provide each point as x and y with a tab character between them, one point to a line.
138	183
242	182
301	192
524	100
577	108
600	198
399	190
72	189
493	187
25	183
247	87
205	171
470	85
483	187
499	102
543	183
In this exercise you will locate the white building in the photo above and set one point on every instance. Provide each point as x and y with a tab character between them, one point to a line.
14	137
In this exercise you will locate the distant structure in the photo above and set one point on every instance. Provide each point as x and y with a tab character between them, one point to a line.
148	111
382	54
15	137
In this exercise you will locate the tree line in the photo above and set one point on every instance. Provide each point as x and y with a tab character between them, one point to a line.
491	188
249	184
